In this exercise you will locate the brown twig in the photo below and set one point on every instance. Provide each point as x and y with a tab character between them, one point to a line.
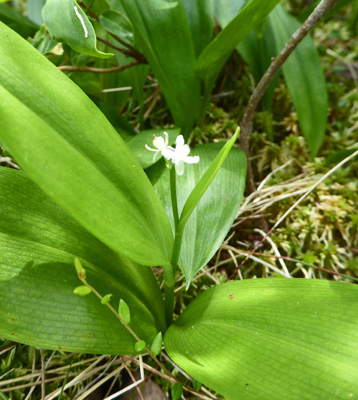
133	53
246	123
72	68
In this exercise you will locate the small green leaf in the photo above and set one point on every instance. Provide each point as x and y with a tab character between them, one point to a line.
82	290
177	391
66	22
124	311
156	346
107	298
140	346
81	272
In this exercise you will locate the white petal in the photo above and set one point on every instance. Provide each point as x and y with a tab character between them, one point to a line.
155	156
179	142
184	151
191	160
168	153
166	140
149	148
179	167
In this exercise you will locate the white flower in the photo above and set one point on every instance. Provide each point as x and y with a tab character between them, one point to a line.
179	155
159	143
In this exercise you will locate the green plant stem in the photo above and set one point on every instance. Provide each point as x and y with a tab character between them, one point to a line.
173	194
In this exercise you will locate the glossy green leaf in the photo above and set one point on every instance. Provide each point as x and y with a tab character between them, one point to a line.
71	151
137	144
271	339
66	22
16	21
214	56
39	242
304	78
212	218
200	18
163	35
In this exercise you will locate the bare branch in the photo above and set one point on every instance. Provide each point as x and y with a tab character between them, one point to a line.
98	70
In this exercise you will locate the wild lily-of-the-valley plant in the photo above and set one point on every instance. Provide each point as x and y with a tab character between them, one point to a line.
82	195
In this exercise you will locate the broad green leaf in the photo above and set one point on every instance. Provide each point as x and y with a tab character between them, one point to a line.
39	242
200	18
137	144
271	339
71	151
66	22
214	56
212	218
163	35
304	78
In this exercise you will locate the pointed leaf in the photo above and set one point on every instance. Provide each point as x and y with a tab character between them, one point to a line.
163	35
212	218
214	56
156	346
271	339
66	22
71	151
38	245
200	18
304	78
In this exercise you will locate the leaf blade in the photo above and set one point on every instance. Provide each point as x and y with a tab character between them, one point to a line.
73	153
272	338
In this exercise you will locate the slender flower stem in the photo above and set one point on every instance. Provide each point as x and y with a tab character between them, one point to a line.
173	194
169	270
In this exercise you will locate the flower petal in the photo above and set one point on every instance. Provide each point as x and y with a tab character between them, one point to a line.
191	160
168	153
179	142
179	167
